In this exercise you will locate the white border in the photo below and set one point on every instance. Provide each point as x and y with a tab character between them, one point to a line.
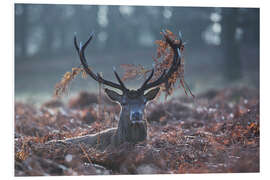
7	81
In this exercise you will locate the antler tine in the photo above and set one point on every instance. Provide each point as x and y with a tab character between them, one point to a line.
80	49
145	86
119	79
174	67
75	43
148	79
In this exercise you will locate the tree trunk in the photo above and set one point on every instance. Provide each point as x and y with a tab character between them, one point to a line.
229	44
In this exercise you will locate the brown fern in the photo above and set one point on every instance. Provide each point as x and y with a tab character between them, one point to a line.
62	86
165	53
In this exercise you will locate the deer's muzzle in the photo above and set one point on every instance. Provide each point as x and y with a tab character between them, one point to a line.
136	117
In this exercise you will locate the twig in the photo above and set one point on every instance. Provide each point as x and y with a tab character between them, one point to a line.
85	154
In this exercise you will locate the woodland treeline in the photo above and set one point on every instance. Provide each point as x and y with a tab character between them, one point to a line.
44	31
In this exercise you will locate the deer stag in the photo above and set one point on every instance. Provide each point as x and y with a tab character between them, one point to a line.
132	125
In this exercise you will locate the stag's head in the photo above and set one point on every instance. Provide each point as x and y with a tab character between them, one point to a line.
133	101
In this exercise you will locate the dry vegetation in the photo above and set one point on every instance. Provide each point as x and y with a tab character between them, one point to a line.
162	61
216	132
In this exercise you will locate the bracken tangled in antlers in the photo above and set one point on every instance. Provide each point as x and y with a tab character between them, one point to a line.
132	126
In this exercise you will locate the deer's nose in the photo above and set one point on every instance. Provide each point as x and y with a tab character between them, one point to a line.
136	116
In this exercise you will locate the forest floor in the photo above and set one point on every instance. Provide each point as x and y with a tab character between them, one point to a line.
217	132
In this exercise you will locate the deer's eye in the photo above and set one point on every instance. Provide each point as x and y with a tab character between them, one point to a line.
144	101
124	102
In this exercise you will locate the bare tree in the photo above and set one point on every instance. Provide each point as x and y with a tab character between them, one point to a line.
231	51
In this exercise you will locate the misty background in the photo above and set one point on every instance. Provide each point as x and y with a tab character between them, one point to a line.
222	45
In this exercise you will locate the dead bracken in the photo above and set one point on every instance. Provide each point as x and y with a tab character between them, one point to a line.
165	53
131	71
226	141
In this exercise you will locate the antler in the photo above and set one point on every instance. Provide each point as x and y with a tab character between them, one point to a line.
80	49
146	85
174	67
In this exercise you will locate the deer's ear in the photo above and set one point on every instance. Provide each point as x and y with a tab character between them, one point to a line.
150	95
113	95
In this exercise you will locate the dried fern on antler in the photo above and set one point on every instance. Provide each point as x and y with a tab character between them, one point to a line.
131	71
62	86
165	53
